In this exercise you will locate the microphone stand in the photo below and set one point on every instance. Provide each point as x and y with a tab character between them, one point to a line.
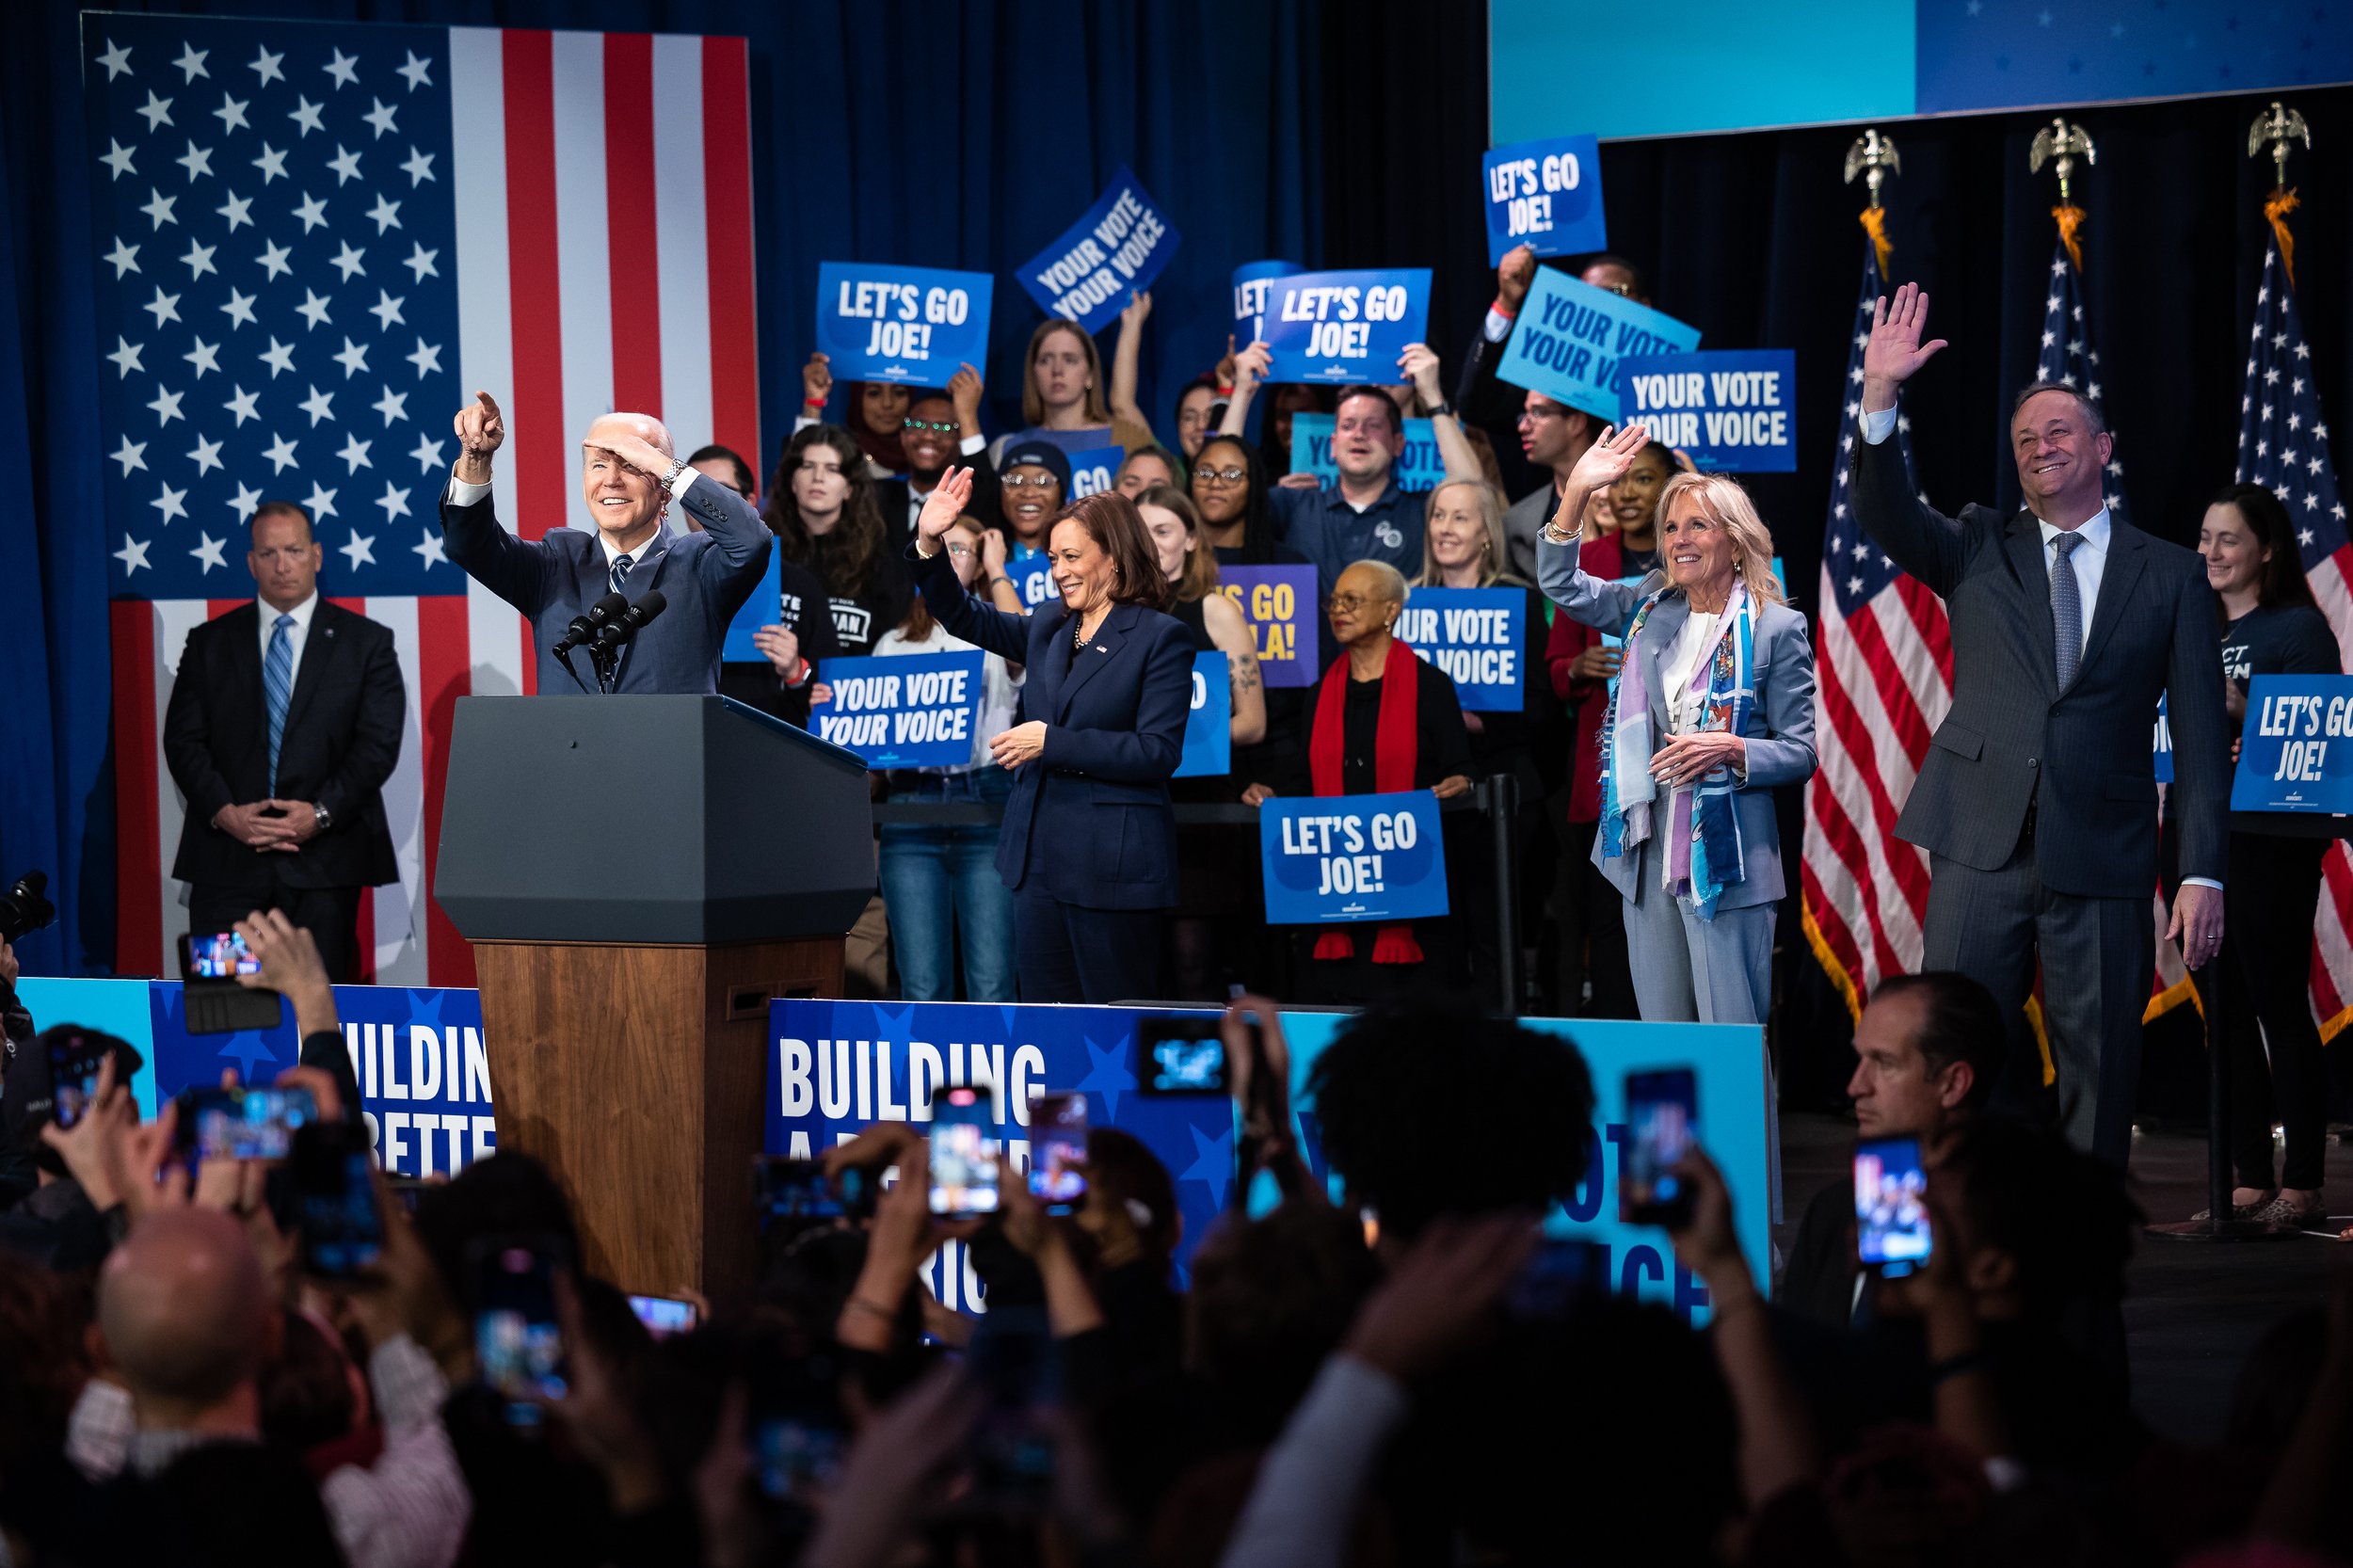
564	657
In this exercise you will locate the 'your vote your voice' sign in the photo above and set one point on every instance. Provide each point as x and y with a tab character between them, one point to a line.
1352	857
914	325
1572	336
2296	751
1337	327
915	712
1729	410
1475	636
1119	247
1544	195
1420	469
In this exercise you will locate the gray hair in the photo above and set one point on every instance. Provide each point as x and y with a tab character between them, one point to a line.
2091	410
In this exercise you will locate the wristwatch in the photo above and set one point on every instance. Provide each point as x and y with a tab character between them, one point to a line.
670	480
1441	409
326	818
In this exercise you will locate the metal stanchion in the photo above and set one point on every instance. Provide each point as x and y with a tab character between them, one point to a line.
2218	1226
1499	796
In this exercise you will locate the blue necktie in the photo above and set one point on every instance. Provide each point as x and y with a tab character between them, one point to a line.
277	684
2067	608
621	571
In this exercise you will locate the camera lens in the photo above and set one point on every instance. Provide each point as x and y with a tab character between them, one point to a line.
25	907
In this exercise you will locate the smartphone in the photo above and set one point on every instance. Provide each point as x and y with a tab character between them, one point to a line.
74	1061
1891	1205
1058	1151
966	1151
663	1315
799	1192
799	1434
1181	1056
518	1341
220	955
243	1124
334	1200
1662	1114
1556	1276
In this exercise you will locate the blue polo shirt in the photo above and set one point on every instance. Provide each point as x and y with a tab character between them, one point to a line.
1324	527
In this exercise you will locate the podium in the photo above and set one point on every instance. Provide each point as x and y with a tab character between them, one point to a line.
639	875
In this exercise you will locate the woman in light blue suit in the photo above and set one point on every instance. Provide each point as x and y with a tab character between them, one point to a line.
1713	706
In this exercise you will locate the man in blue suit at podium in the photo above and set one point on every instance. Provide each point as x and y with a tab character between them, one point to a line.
630	474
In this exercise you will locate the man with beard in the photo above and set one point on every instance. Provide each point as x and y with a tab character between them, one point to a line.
941	427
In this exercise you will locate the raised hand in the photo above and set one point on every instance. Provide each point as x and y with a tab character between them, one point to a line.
1514	275
817	381
1225	371
1133	313
1895	352
1604	463
992	553
1421	364
941	509
1250	368
632	448
964	392
481	431
782	647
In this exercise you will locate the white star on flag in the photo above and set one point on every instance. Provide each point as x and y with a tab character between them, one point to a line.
208	551
204	357
361	547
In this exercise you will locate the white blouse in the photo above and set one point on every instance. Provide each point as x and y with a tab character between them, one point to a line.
1693	646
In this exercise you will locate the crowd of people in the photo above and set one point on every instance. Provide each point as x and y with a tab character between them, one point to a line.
1375	1355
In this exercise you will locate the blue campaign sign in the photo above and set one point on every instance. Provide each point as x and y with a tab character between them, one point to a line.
911	711
1544	195
2161	752
1475	636
1251	281
764	608
1095	469
1730	410
1209	726
1280	605
1571	337
1030	572
1330	858
1117	248
2295	753
1338	328
1419	468
914	325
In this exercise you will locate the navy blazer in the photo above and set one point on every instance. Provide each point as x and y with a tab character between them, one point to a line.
704	578
1114	722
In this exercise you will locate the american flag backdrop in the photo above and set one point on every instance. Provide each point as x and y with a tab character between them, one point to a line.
2283	445
315	241
2066	354
1884	667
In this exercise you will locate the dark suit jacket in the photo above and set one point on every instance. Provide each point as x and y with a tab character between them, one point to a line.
988	502
1097	800
343	725
2010	729
704	579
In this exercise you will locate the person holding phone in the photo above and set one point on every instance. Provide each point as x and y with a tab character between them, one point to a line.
1713	708
1089	840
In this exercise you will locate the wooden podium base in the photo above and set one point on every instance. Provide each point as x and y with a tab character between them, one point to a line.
636	1073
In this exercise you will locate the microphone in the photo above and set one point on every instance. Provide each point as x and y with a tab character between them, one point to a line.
632	620
584	627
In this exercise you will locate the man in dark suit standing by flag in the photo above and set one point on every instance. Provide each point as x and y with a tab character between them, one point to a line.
2036	801
284	722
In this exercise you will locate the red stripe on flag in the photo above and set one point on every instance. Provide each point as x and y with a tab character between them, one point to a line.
1862	744
216	608
1936	627
1831	926
728	217
2337	887
538	444
444	674
139	852
629	182
1838	832
1905	730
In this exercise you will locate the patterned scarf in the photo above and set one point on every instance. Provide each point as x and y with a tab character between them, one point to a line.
1702	840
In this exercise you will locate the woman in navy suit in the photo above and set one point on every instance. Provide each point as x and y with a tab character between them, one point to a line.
1089	842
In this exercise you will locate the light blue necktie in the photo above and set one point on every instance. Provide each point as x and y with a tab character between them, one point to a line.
277	684
621	571
2067	608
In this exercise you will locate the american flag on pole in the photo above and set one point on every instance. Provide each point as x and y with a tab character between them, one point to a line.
315	241
2066	354
1883	664
2283	446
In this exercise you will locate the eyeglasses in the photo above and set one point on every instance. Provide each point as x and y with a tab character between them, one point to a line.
959	549
937	429
1222	475
1017	481
1348	604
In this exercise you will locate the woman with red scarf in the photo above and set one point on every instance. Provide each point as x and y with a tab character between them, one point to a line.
1384	721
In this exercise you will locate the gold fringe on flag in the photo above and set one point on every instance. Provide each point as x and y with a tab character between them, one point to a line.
2071	220
1875	224
2276	207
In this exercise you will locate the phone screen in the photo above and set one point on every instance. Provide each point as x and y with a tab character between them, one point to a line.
1891	1204
243	1124
1663	1122
343	1229
220	955
966	1151
663	1316
518	1341
1058	1151
799	1192
1191	1063
75	1062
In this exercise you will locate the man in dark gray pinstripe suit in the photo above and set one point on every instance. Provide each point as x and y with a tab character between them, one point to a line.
2036	802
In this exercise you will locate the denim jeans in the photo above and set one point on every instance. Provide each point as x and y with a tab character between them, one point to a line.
941	887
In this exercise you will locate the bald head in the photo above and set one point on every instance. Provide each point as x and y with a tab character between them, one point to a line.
185	1313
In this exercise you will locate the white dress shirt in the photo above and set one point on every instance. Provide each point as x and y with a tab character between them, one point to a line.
298	634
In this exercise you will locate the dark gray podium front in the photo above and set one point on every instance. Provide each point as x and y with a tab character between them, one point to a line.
639	875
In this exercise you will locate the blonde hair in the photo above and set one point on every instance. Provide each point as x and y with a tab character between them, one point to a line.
1490	501
1725	503
1197	578
1098	411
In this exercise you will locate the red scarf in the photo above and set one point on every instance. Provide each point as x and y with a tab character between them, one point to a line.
1396	750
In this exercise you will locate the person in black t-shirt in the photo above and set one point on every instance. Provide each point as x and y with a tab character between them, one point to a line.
821	508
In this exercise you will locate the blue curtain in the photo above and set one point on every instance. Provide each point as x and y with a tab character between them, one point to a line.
912	131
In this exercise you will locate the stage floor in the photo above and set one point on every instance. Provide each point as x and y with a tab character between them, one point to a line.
2195	1308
